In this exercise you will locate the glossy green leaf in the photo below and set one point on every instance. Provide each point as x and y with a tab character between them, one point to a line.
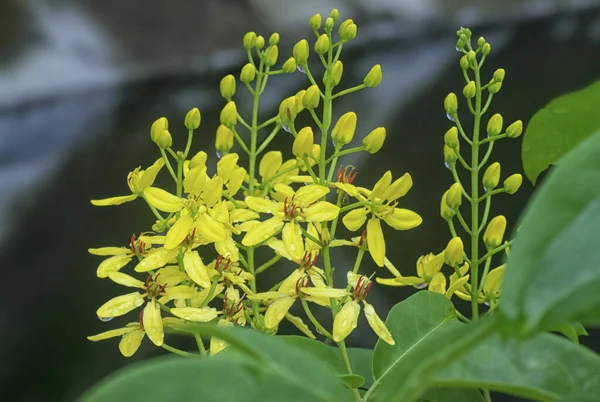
352	381
545	367
553	273
559	127
572	331
428	337
452	395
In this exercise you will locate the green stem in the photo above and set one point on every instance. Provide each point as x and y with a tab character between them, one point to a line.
496	251
268	122
200	344
334	224
349	90
333	160
491	193
462	132
461	316
354	205
463	223
337	153
486	213
486	269
359	257
168	163
154	211
314	321
308	74
457	180
310	170
342	347
243	122
268	140
175	350
487	155
267	264
309	236
188	145
240	141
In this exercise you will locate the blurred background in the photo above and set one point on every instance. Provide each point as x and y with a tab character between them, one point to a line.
81	82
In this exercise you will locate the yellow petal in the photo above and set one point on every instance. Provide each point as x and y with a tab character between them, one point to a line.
277	246
268	295
354	219
349	189
377	324
203	314
152	239
456	285
228	249
216	344
400	281
263	205
321	211
310	193
262	231
235	182
170	276
431	265
390	267
199	298
120	305
110	334
398	188
493	281
131	342
157	258
213	191
112	264
403	219
225	166
192	263
298	323
210	228
375	241
438	283
163	200
381	186
125	280
153	323
103	251
345	321
289	283
106	202
242	215
179	231
150	174
195	180
270	164
277	311
181	292
292	240
324	292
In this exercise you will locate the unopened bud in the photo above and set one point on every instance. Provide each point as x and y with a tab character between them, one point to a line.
158	127
227	87
274	39
249	40
495	88
271	56
322	44
289	66
450	155
300	52
228	115
248	73
315	22
454	252
334	14
329	22
464	63
374	77
454	197
198	160
347	30
486	49
495	124
472	57
192	119
299	97
164	140
260	42
494	233
513	183
311	98
287	110
451	104
344	129
451	138
374	140
491	177
481	41
515	129
303	142
337	72
224	139
445	211
499	75
470	90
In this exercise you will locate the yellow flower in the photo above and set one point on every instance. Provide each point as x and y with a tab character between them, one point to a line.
428	275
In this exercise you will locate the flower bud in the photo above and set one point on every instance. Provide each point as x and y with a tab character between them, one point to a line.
513	183
495	88
271	56
315	22
248	73
164	140
472	57
499	75
495	124
303	142
445	211
274	39
198	160
289	66
344	129
249	40
336	72
299	97
470	90
322	44
481	41
374	77
454	252
451	104
334	14
347	30
300	52
491	177
260	42
192	119
287	110
228	115
515	129
454	197
224	139
450	155
486	49
158	127
451	138
494	233
227	87
374	140
464	63
311	98
329	22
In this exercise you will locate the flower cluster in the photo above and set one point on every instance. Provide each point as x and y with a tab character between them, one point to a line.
197	261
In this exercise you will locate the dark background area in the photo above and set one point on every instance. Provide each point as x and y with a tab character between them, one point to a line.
81	82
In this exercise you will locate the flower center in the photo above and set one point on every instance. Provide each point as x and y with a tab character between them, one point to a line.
153	288
362	287
290	209
346	174
137	246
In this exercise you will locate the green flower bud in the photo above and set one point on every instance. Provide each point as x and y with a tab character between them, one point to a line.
472	57
374	140
460	45
486	49
513	183
451	104
224	139
495	124
249	40
495	88
450	155
337	72
481	41
470	90
315	22
451	138
198	160
499	75
248	73
491	177
374	77
300	52
311	98
227	87
347	30
454	197
287	110
334	14
229	114
322	44
192	119
515	129
289	66
464	63
329	22
445	211
158	127
494	233
271	56
344	129
454	252
274	39
164	140
303	142
260	42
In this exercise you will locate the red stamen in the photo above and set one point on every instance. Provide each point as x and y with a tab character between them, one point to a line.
132	243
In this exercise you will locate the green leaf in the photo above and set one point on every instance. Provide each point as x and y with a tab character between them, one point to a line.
452	395
572	330
559	127
545	367
553	272
352	381
428	337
